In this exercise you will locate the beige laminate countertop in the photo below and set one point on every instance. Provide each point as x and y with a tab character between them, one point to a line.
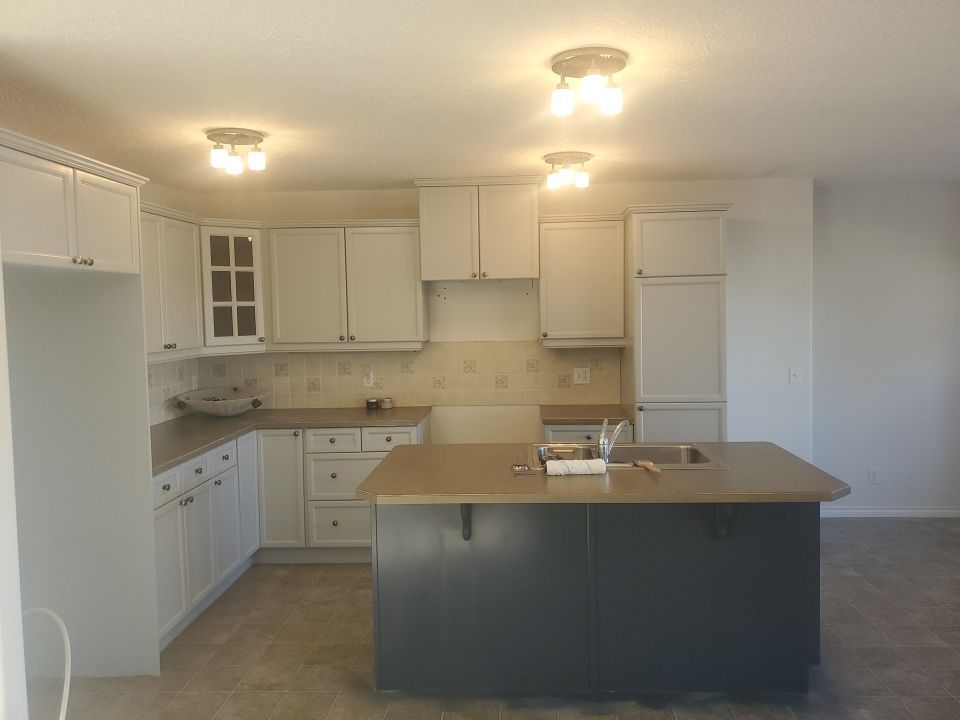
179	440
584	414
758	472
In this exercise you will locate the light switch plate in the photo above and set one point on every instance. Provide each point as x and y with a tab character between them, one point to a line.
793	376
581	376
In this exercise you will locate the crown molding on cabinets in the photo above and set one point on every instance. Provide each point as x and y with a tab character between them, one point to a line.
16	141
692	207
582	217
495	180
155	209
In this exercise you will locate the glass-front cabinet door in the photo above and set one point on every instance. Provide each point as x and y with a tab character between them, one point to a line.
233	297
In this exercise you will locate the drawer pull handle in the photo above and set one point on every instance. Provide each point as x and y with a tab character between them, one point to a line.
296	433
389	438
335	523
218	482
198	471
332	440
333	476
226	457
166	487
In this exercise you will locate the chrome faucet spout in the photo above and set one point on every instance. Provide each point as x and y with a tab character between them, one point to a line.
606	441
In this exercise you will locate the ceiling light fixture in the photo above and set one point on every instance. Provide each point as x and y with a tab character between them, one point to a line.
566	175
596	67
231	161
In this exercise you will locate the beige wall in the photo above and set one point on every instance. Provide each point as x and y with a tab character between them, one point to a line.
165	380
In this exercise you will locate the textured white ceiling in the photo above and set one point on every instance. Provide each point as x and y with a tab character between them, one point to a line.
357	94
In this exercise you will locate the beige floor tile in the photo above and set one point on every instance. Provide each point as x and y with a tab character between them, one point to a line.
267	613
269	678
143	706
255	632
314	612
285	654
214	677
333	653
320	678
187	655
414	708
240	653
249	706
298	632
170	680
194	706
303	706
210	633
344	632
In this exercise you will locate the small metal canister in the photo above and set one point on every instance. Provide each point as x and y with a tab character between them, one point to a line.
386	403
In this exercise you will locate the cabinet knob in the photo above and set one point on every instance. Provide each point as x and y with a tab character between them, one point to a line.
198	471
342	338
173	346
261	339
640	408
333	476
483	274
166	487
332	440
296	433
353	337
473	275
389	438
544	334
225	458
335	523
190	499
89	262
639	271
589	437
183	503
77	260
218	482
166	346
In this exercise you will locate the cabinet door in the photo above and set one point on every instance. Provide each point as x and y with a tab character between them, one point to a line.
384	292
342	523
180	277
681	422
307	285
336	476
680	339
200	543
581	280
150	233
449	233
226	521
168	543
280	455
232	295
37	211
686	243
508	232
249	495
108	223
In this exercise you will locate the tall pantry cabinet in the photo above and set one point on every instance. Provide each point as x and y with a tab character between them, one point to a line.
674	371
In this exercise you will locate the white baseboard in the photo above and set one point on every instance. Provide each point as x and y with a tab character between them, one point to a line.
889	512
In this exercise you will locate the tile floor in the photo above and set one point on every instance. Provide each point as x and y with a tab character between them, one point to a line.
295	643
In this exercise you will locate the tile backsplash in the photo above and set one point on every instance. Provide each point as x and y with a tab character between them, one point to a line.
167	379
443	373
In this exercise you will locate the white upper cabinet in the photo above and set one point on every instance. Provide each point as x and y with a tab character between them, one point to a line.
232	287
680	344
674	244
479	232
449	233
170	261
308	287
52	215
384	294
108	223
37	210
581	281
508	231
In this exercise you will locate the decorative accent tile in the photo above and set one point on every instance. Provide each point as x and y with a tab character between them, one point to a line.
596	365
406	367
469	366
533	366
500	382
218	370
281	368
439	382
181	374
250	383
564	381
314	385
344	368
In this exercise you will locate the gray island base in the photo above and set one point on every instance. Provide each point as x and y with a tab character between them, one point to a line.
613	594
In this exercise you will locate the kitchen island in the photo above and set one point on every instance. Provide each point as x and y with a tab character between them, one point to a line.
686	580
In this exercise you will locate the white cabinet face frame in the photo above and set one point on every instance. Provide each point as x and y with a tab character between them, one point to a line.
38	217
232	286
681	422
249	494
680	337
151	281
171	565
108	223
509	237
384	292
676	244
181	284
581	280
308	290
449	233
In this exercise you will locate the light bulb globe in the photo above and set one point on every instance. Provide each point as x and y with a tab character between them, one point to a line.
553	180
591	88
234	164
218	156
566	175
611	101
581	179
562	100
257	159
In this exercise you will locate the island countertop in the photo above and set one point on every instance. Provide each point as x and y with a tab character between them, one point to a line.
443	474
179	440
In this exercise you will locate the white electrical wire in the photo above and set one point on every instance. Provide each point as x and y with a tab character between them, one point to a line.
66	654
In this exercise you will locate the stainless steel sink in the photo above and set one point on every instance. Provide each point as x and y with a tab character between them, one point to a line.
666	457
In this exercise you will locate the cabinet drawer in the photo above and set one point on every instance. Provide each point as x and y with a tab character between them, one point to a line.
582	433
166	487
193	473
335	476
344	523
221	458
331	440
378	439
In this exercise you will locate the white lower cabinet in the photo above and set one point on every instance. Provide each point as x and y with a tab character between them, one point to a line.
681	422
280	458
168	531
582	433
226	522
338	523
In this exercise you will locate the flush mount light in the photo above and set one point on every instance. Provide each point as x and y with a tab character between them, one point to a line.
230	160
568	174
596	67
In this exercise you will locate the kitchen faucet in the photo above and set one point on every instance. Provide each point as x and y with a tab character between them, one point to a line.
606	441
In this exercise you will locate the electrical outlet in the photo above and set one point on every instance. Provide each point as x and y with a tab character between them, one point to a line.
873	476
793	376
368	380
581	376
